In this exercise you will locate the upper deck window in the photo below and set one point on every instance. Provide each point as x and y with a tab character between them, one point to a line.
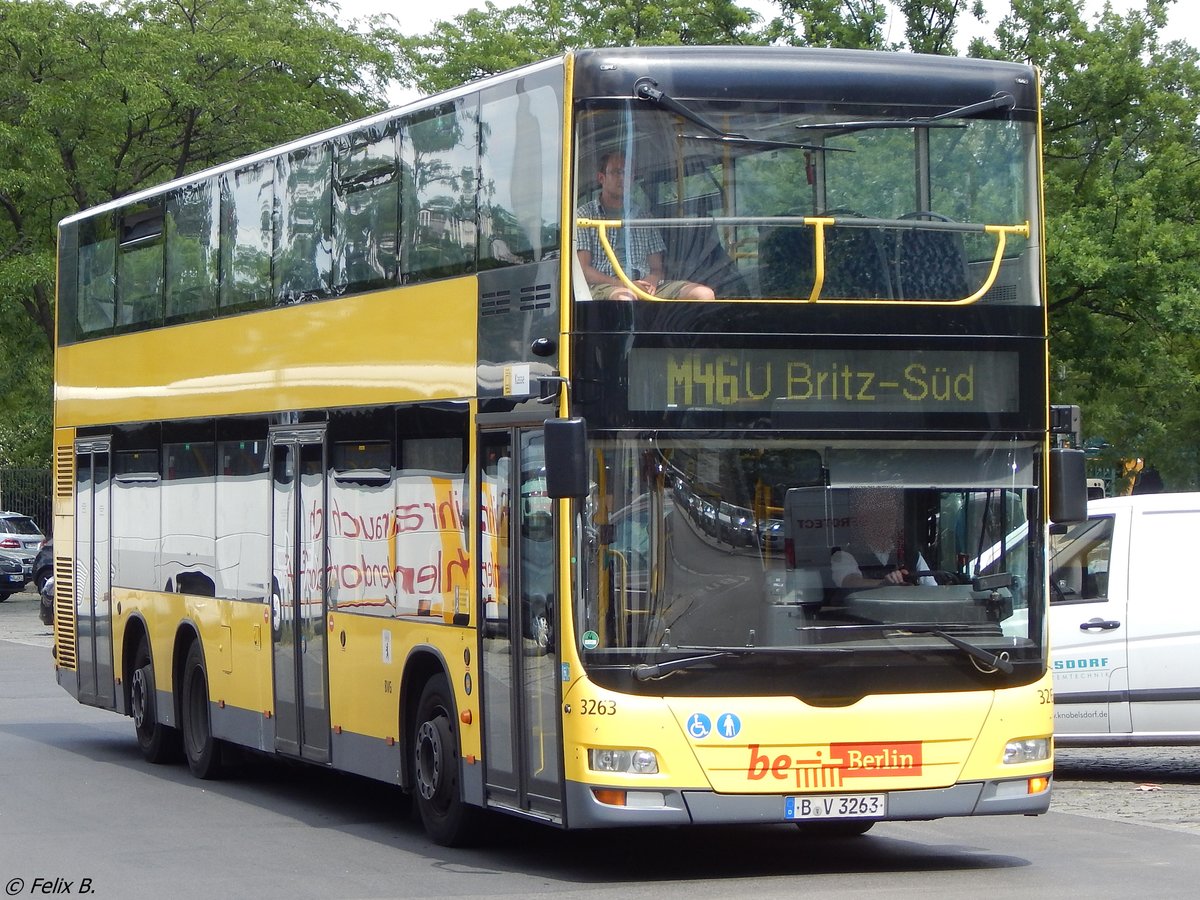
824	202
444	175
519	208
192	236
366	209
247	205
302	266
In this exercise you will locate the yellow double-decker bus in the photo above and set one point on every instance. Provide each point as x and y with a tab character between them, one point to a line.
645	436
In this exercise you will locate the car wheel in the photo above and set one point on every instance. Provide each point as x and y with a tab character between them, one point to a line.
159	743
40	579
447	819
202	750
4	595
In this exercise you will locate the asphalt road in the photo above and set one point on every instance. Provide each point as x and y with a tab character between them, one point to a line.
78	802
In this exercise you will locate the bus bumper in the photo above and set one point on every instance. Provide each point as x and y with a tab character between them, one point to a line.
672	807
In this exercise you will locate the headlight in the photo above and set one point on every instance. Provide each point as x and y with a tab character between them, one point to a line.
1025	751
634	762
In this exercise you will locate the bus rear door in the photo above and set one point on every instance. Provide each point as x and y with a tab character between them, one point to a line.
298	593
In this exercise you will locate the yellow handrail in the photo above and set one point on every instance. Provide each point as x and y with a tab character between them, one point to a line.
818	224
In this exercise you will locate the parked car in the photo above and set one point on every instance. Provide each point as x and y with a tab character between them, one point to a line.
1125	624
43	563
12	576
46	597
20	537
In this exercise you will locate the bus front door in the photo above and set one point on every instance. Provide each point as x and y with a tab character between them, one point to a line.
519	579
298	594
93	580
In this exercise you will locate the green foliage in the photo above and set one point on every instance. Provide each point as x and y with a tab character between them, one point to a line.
25	379
99	101
930	25
855	24
1123	204
490	39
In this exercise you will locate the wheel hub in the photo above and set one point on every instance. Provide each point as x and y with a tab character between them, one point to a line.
429	760
138	696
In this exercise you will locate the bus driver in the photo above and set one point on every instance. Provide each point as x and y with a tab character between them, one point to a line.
640	251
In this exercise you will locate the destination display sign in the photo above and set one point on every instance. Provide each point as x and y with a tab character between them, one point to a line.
824	380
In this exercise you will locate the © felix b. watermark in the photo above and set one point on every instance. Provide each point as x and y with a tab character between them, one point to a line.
19	887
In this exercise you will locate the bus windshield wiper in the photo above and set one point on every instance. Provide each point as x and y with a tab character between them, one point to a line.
987	657
737	140
1002	100
649	671
647	89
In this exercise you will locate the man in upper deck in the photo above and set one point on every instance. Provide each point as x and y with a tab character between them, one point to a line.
639	250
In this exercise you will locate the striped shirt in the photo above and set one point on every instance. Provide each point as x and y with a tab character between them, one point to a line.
632	245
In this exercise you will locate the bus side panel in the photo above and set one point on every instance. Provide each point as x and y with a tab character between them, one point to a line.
369	657
384	344
235	637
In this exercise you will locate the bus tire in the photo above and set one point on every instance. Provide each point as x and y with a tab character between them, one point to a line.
159	743
447	819
202	750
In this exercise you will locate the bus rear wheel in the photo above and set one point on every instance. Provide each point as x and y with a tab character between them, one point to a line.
447	819
159	743
202	750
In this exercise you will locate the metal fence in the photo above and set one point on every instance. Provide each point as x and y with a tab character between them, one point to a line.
27	491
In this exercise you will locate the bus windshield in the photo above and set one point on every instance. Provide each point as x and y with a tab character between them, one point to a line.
765	545
828	202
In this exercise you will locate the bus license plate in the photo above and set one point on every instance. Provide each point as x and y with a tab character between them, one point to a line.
842	806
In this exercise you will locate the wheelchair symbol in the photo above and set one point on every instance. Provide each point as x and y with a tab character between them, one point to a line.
699	725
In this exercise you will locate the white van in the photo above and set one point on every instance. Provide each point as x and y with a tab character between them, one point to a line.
1125	623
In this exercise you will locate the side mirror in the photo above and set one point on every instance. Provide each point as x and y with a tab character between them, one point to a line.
1067	485
566	458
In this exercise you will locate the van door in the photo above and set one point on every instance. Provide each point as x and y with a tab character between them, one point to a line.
1163	630
1088	626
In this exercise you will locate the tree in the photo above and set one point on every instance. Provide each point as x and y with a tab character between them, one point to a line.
100	101
489	40
931	25
1123	204
855	24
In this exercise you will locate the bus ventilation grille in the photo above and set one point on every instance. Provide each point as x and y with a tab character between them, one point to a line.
64	472
535	296
495	303
1003	294
64	611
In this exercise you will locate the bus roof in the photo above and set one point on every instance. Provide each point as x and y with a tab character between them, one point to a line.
794	73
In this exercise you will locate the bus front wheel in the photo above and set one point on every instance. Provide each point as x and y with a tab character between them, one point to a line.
202	750
447	819
159	743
